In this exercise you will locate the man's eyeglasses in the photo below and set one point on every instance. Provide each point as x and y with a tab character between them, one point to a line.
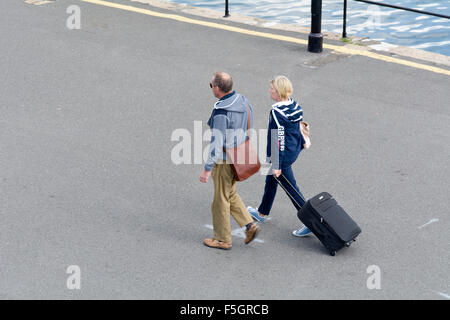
210	85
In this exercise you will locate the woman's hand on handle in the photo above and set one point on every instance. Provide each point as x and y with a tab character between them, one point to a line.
276	173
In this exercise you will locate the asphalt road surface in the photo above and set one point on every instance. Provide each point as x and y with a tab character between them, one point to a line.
87	176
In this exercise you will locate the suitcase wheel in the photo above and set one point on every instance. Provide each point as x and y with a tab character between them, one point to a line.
349	243
333	253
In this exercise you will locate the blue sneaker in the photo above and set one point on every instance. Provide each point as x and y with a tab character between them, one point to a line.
303	231
254	213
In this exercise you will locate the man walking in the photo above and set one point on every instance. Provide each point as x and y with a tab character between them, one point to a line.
228	123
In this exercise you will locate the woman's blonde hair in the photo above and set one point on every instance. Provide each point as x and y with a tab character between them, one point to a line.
283	86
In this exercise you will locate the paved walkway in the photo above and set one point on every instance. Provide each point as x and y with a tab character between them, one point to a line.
86	175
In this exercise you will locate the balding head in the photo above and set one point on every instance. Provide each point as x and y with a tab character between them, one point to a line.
223	81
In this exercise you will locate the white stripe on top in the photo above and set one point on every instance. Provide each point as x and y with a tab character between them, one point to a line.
275	118
215	104
283	103
291	114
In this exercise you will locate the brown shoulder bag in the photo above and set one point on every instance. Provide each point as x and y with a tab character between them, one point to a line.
243	158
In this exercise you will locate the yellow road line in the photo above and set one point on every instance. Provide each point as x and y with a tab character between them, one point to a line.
341	49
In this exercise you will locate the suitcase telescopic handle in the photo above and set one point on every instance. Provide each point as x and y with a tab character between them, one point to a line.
288	193
315	224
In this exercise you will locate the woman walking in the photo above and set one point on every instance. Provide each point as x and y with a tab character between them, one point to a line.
284	144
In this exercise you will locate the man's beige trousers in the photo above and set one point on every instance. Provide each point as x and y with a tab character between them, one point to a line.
226	200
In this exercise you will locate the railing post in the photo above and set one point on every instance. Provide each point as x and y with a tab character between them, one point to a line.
227	12
315	39
344	26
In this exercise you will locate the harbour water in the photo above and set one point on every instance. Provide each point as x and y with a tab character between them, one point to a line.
393	26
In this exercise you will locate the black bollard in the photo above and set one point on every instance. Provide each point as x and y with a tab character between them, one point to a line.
344	25
227	12
315	39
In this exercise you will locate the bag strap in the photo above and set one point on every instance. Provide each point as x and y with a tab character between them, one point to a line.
248	117
248	121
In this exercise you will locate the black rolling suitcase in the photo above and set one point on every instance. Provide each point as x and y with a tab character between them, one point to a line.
326	219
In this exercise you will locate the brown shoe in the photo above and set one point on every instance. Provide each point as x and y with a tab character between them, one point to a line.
213	243
251	233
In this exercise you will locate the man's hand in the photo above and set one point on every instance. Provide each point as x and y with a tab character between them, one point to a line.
276	173
205	176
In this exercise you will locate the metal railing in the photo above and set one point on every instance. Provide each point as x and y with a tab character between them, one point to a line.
315	38
344	28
